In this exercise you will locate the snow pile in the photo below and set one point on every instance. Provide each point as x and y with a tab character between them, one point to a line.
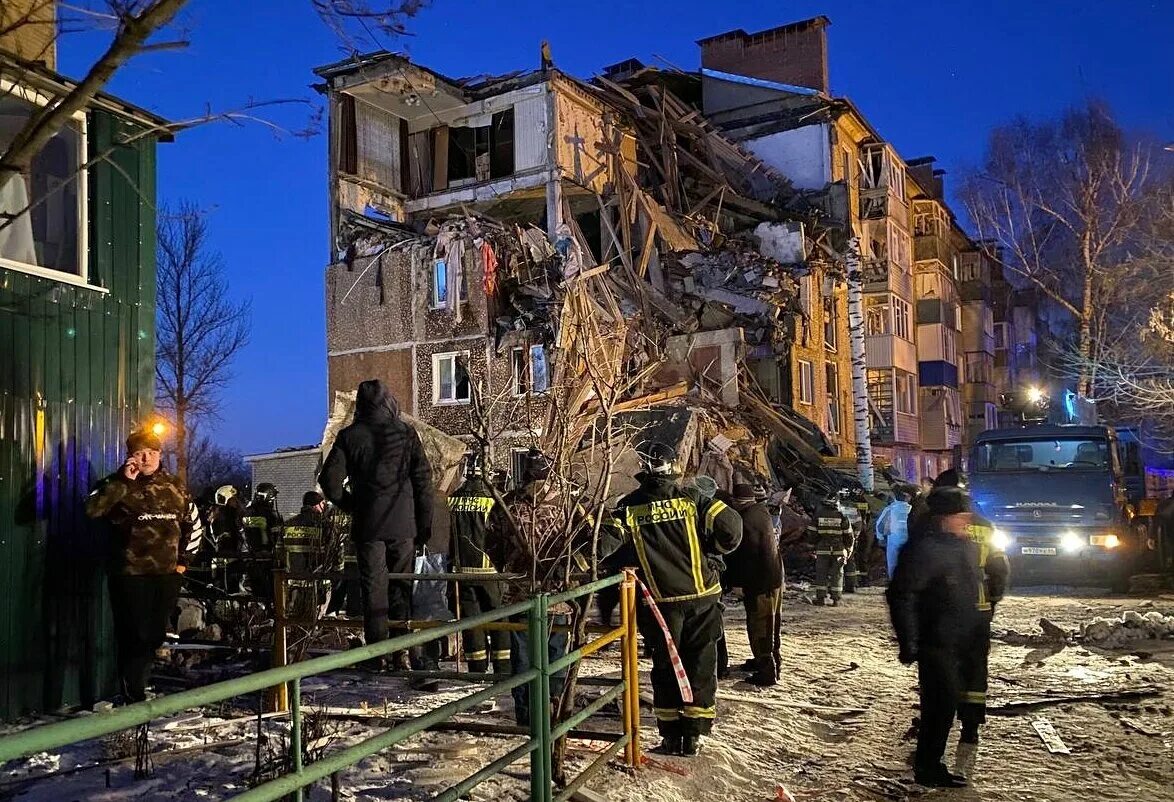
1114	633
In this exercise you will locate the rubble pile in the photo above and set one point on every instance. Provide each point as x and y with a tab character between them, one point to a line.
1115	633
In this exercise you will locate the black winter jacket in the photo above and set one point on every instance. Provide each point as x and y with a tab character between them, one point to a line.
933	592
755	566
390	492
474	513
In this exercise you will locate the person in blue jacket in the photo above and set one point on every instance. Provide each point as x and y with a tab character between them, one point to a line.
892	528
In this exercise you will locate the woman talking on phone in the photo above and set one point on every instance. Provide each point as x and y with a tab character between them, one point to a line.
156	529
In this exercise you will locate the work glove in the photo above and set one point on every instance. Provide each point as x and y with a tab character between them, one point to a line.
907	655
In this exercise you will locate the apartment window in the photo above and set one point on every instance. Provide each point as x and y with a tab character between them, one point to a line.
806	382
949	346
978	369
877	315
846	165
46	207
833	398
1000	336
440	287
898	246
905	397
897	177
902	318
531	372
806	283
830	341
483	152
450	378
519	459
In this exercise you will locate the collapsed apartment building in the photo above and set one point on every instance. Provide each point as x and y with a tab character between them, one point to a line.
519	255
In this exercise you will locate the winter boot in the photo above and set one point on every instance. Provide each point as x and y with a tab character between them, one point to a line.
964	758
835	601
820	599
502	667
938	777
478	666
670	745
690	745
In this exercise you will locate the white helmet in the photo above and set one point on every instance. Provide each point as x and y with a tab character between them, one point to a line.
223	494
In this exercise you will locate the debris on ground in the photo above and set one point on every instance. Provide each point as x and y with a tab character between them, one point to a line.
1130	626
1050	737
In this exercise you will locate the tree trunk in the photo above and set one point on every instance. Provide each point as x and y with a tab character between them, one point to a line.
859	381
181	446
1084	319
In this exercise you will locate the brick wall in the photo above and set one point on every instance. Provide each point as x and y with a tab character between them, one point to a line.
293	473
791	54
31	30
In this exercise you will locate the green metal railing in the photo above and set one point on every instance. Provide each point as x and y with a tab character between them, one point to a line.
539	746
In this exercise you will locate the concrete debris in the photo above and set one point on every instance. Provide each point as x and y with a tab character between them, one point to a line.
1131	626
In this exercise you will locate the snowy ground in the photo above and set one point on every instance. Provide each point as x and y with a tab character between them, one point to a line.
839	658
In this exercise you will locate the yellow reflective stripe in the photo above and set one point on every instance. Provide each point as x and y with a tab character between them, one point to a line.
695	553
713	590
485	564
293	548
481	504
502	654
480	654
641	555
490	570
699	712
715	509
974	697
666	713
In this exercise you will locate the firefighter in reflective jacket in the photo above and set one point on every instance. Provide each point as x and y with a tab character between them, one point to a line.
673	537
474	513
995	572
262	524
303	549
833	547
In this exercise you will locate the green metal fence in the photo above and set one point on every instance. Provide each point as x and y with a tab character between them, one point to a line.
539	746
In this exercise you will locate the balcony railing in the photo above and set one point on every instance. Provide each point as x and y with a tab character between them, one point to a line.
931	246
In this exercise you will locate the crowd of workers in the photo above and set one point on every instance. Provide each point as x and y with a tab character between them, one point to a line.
688	540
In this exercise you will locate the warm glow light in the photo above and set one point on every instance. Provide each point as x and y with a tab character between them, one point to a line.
1000	540
1112	542
1071	542
1035	395
158	428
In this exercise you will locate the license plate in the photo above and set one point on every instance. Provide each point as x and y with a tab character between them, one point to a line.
1037	550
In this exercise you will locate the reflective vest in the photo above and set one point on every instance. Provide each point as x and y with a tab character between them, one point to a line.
469	508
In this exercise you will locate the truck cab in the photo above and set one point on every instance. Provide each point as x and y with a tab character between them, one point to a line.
1057	497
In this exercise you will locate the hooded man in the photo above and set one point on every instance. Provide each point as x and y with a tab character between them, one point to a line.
892	528
932	604
757	568
377	471
672	535
156	531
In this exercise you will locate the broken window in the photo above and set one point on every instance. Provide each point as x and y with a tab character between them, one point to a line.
830	341
45	208
877	315
450	378
833	397
440	288
531	372
806	382
906	392
880	402
483	152
348	136
902	319
1000	336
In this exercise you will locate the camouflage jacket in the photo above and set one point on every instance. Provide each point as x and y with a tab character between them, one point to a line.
156	525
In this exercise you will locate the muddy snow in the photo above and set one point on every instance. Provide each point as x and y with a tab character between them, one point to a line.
835	729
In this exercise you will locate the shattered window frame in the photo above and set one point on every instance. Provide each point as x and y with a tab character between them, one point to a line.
1000	336
439	273
806	382
878	310
831	338
454	359
530	369
902	318
832	385
904	393
60	203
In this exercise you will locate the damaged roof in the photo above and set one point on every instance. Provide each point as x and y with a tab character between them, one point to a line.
371	66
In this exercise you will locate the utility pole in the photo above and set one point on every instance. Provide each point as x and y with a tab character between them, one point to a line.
859	382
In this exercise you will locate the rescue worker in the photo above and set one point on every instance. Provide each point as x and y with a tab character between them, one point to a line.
377	471
156	531
671	534
345	593
994	575
833	546
919	516
262	524
226	525
932	607
757	568
474	513
865	539
303	549
892	528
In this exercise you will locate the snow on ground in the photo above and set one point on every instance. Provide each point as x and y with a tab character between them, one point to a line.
832	730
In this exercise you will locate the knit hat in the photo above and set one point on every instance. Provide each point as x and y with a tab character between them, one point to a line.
312	498
951	477
744	492
948	501
143	439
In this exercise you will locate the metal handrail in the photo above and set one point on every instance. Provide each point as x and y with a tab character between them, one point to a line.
543	732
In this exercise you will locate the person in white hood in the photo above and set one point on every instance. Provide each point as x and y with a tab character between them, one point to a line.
892	528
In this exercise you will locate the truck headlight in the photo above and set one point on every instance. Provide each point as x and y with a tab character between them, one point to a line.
1071	542
1000	540
1106	541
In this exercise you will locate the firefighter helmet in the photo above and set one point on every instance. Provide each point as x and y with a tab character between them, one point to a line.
224	494
474	464
266	491
657	458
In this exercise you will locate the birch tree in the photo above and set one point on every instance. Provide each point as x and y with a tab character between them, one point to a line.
201	329
859	376
1070	203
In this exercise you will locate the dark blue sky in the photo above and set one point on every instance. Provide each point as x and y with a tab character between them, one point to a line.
933	76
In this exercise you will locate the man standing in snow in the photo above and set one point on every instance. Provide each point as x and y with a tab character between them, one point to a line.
932	606
757	568
377	471
672	534
833	546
